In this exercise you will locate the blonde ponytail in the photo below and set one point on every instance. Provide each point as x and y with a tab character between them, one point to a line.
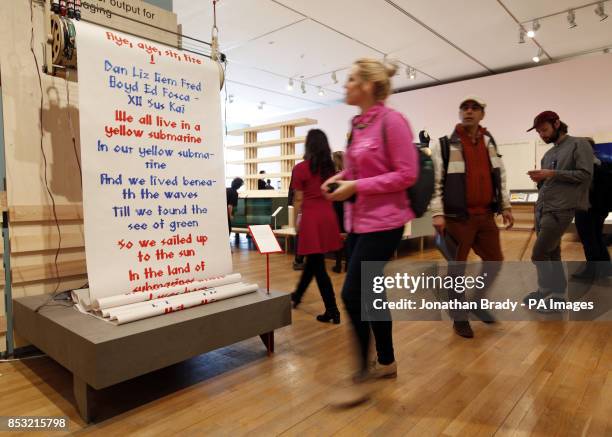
377	72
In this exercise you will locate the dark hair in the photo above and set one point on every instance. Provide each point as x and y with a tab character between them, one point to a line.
237	183
338	158
318	152
563	127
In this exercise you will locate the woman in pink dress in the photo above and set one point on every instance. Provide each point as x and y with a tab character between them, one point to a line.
318	227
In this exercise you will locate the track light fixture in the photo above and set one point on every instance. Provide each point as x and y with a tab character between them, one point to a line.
261	105
521	36
538	56
571	18
534	28
290	85
600	11
303	88
321	92
334	78
411	73
230	98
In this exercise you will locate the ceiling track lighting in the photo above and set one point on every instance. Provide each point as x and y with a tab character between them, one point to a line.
600	11
290	85
334	78
571	18
303	88
411	73
535	26
538	57
261	105
230	98
321	92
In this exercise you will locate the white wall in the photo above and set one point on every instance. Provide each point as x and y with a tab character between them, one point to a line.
580	91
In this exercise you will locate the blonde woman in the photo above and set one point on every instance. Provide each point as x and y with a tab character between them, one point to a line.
380	164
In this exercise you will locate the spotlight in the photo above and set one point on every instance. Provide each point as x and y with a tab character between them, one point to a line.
600	11
290	85
534	28
334	78
521	36
538	57
321	92
303	88
411	72
261	105
230	98
571	18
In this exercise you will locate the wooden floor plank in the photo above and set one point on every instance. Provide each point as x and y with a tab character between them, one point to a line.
513	379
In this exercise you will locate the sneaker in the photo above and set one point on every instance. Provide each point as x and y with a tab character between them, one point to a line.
463	329
378	371
351	396
549	302
534	295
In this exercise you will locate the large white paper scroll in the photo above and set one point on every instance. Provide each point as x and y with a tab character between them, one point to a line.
182	302
131	298
152	160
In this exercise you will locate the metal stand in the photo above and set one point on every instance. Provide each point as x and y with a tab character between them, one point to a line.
8	292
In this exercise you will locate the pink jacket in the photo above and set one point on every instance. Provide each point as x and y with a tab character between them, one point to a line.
383	172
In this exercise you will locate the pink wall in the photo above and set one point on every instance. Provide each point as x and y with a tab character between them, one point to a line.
579	90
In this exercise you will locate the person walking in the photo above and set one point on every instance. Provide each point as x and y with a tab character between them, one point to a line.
470	188
590	223
380	164
317	227
231	195
563	188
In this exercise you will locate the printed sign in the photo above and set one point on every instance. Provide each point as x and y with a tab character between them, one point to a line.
152	160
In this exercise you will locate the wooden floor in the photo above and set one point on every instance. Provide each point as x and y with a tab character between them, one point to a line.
519	378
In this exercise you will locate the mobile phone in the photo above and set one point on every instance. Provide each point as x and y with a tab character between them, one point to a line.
332	187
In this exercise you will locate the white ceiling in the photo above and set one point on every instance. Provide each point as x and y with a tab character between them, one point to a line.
269	41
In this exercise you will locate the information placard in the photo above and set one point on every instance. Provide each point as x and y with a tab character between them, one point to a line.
152	159
264	238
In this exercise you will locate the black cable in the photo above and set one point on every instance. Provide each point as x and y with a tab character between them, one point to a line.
74	147
42	149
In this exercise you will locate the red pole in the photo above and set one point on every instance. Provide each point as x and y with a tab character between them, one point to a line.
268	271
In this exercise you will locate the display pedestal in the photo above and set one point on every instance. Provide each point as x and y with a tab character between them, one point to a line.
100	354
